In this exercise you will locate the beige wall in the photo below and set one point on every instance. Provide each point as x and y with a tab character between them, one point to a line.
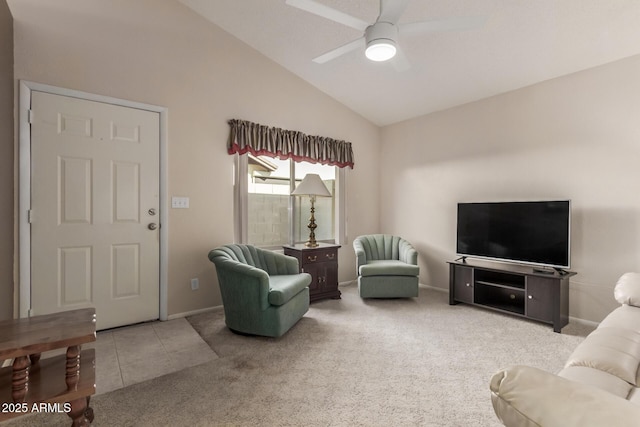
6	162
159	52
575	137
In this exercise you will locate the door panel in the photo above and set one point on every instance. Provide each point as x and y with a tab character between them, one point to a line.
540	298
95	175
463	284
74	270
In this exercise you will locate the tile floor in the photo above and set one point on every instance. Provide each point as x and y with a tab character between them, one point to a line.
137	353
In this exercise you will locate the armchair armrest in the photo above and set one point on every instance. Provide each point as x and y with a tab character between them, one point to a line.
361	257
526	396
250	284
407	253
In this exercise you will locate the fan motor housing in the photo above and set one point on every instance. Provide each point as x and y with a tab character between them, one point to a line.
381	31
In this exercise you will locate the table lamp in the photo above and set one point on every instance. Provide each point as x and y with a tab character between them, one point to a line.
312	186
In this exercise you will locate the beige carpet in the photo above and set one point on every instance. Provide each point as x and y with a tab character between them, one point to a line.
348	362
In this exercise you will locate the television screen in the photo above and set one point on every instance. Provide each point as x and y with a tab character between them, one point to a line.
527	232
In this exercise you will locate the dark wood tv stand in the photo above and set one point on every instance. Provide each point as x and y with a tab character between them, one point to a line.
513	289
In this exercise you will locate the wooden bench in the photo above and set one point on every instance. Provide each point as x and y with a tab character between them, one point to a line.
62	383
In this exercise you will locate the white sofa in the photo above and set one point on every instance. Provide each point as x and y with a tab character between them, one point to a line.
599	385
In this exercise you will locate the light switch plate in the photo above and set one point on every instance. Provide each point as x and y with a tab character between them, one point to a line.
180	202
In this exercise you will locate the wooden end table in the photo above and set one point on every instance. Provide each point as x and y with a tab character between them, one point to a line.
58	384
321	263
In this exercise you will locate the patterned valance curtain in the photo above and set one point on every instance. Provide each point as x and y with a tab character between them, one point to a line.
259	140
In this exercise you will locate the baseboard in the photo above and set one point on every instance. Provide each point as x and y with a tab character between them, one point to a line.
348	283
194	312
351	282
579	321
219	307
435	288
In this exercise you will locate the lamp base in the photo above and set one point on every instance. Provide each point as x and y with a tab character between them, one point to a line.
311	243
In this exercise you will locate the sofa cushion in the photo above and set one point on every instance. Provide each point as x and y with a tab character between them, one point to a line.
283	288
389	268
612	350
598	378
627	290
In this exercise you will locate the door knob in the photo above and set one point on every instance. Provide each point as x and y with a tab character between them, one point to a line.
152	226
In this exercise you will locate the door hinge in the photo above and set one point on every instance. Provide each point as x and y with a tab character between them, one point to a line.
30	116
30	216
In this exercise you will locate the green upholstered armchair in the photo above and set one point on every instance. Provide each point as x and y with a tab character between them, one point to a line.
263	292
387	267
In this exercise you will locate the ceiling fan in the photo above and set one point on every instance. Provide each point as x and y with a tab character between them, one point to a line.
380	39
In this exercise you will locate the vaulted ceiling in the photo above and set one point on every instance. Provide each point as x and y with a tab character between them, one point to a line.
522	42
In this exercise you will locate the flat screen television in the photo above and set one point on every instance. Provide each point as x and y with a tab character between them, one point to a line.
536	232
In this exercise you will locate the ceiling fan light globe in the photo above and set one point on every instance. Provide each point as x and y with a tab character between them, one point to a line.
380	50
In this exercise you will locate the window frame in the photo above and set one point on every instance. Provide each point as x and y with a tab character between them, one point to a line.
241	214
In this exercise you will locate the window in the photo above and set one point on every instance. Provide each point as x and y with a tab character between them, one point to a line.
267	214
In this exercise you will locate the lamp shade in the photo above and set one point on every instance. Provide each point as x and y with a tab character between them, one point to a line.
311	185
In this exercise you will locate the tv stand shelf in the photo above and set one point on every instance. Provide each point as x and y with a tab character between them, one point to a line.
512	289
499	285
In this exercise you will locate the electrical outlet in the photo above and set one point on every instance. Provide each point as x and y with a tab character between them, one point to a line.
195	284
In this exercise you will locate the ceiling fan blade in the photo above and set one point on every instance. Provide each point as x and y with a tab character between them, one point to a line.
326	12
400	62
333	54
392	10
451	24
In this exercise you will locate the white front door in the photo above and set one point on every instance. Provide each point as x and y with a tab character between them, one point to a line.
94	209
